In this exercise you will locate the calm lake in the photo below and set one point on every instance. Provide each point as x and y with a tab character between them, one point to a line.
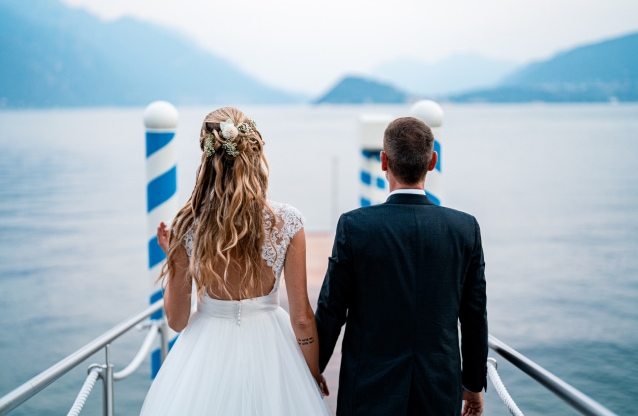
554	188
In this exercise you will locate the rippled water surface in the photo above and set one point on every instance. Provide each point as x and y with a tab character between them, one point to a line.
555	190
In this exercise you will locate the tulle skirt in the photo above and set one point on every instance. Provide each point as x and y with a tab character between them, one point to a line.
236	358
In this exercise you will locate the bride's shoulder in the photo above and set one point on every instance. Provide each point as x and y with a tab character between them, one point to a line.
288	214
282	208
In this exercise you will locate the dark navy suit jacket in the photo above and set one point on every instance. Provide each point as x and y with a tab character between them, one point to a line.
401	276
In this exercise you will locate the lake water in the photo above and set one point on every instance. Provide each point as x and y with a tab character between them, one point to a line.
554	188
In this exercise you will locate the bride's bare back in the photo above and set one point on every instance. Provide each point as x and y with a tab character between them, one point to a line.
287	222
233	280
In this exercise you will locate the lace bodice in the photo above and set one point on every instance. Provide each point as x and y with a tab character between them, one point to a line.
287	223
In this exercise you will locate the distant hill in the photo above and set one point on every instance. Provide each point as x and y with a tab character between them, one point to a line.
53	56
600	72
357	90
454	74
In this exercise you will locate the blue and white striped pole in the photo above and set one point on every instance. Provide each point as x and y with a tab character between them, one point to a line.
373	184
160	120
431	114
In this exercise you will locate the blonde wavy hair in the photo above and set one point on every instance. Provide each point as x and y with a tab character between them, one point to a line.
226	210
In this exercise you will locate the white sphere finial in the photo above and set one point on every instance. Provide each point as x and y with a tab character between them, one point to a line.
160	115
428	112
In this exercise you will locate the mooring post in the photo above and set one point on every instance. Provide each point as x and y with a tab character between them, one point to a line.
431	114
160	120
372	181
373	184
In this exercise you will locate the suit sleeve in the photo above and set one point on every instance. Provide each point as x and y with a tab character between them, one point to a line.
473	318
335	295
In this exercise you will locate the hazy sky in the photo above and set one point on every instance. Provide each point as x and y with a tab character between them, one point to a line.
306	46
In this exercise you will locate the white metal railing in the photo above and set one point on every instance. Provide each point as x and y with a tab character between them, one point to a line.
104	371
569	394
96	370
581	402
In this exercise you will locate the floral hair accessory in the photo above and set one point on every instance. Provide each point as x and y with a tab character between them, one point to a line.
229	131
231	149
244	128
209	145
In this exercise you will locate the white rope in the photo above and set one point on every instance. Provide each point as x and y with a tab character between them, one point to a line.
141	354
84	392
500	388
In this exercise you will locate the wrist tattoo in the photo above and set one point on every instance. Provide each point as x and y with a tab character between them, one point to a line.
305	341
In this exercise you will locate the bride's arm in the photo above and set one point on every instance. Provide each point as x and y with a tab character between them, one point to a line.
301	315
177	294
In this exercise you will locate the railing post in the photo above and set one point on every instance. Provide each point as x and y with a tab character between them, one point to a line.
107	378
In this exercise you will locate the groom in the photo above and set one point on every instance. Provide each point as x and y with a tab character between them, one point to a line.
401	276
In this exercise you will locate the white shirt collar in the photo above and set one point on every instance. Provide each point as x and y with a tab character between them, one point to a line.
408	191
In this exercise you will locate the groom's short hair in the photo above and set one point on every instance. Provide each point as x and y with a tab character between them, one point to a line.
408	144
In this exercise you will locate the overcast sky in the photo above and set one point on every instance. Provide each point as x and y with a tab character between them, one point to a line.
306	45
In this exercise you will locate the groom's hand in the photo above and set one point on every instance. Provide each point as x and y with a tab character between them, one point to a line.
473	403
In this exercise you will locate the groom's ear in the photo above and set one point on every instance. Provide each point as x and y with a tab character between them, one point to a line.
384	161
435	158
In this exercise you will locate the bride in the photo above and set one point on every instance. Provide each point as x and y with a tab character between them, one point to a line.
240	353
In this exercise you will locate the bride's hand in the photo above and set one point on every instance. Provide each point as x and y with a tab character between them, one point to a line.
323	385
162	236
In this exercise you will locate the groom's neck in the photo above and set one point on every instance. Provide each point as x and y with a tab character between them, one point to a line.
395	184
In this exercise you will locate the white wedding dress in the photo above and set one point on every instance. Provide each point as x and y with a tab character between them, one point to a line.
240	358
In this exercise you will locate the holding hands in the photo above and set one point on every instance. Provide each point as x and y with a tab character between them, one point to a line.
323	385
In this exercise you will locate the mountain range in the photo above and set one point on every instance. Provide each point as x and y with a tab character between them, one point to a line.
56	56
604	71
600	72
